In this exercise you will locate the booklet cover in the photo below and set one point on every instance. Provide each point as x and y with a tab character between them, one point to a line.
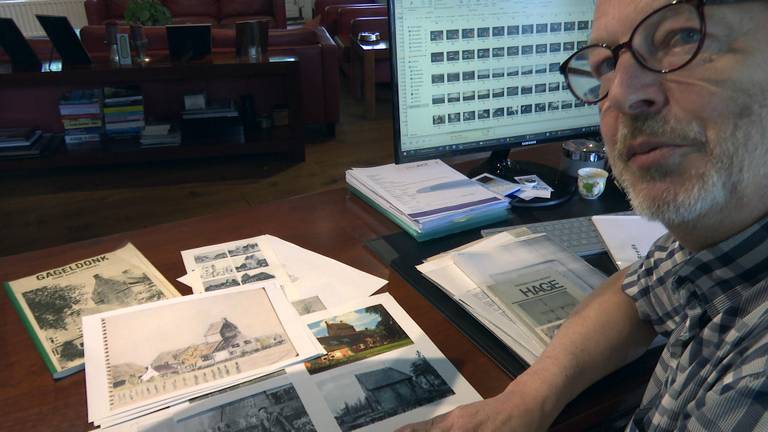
52	302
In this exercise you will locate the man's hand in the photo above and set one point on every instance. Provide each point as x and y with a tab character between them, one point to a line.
505	412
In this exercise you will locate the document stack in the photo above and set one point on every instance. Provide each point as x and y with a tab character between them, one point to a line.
427	199
521	286
160	135
123	111
81	116
20	142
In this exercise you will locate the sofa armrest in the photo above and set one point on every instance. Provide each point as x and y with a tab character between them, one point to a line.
370	24
278	11
330	15
330	54
95	11
347	14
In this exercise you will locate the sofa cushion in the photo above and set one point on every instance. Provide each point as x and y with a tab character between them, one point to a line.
193	20
230	8
230	21
188	8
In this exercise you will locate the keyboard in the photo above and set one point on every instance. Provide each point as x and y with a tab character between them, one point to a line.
578	235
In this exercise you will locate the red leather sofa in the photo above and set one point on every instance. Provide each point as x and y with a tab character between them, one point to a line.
319	7
330	16
318	57
215	12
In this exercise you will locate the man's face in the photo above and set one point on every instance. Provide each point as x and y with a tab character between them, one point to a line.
690	142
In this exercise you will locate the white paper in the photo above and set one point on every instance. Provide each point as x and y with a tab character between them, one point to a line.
627	238
139	338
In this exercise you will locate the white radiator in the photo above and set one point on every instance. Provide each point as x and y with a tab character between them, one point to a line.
23	13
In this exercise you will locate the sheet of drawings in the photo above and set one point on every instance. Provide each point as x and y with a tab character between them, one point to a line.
381	372
233	264
144	358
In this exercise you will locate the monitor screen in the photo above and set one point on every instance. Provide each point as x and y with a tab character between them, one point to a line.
479	75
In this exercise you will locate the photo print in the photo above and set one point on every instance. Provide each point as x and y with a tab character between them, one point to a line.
569	26
483	53
526	90
483	32
438	99
553	106
541	28
513	91
511	111
483	114
513	30
468	75
453	76
308	305
483	74
453	98
498	92
513	51
468	54
483	94
438	78
468	95
468	33
452	56
498	112
437	57
498	52
468	116
541	48
554	47
553	87
438	119
513	71
540	107
554	67
527	29
526	109
356	336
436	35
526	70
540	88
555	27
541	69
497	31
276	409
454	117
526	49
452	34
370	394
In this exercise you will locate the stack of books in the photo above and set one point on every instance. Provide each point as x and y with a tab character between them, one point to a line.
160	135
427	199
215	124
20	142
81	116
123	111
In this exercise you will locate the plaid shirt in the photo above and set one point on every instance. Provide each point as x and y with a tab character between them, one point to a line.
713	308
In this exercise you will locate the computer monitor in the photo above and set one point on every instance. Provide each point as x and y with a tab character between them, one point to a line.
481	75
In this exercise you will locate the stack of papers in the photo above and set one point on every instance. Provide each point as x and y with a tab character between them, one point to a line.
627	238
427	199
521	286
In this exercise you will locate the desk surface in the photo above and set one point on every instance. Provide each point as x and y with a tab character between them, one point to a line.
333	223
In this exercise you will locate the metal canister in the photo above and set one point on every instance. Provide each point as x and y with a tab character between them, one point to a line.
582	153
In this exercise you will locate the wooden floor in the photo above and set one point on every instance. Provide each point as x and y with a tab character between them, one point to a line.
42	209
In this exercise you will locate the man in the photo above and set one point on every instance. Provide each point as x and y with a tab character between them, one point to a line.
684	114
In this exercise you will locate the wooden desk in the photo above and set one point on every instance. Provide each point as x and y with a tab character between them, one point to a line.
332	223
364	58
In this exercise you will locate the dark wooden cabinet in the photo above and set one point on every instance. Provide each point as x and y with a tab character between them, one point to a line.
31	99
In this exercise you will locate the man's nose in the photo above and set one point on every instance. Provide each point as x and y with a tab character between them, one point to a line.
635	89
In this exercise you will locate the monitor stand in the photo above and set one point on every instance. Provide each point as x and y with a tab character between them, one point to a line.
499	164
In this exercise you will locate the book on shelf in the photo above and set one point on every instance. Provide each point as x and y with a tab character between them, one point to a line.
122	96
19	137
520	286
39	146
427	199
52	302
160	135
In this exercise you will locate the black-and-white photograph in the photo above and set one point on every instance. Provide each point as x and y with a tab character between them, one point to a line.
526	109
222	283
276	409
527	29
513	51
437	57
483	114
468	54
541	48
526	70
249	262
568	46
583	25
243	249
438	78
566	104
468	95
555	27
251	277
192	342
369	395
554	47
483	94
513	30
526	90
453	77
468	116
540	88
497	31
483	53
438	119
216	269
452	55
498	112
540	107
513	91
554	67
498	93
511	111
569	26
452	34
468	75
498	52
526	50
454	117
454	97
468	33
210	256
438	99
542	28
541	68
497	72
553	87
553	106
483	74
581	44
309	305
436	35
513	71
483	32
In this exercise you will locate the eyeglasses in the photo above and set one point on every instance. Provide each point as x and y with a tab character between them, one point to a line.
666	40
